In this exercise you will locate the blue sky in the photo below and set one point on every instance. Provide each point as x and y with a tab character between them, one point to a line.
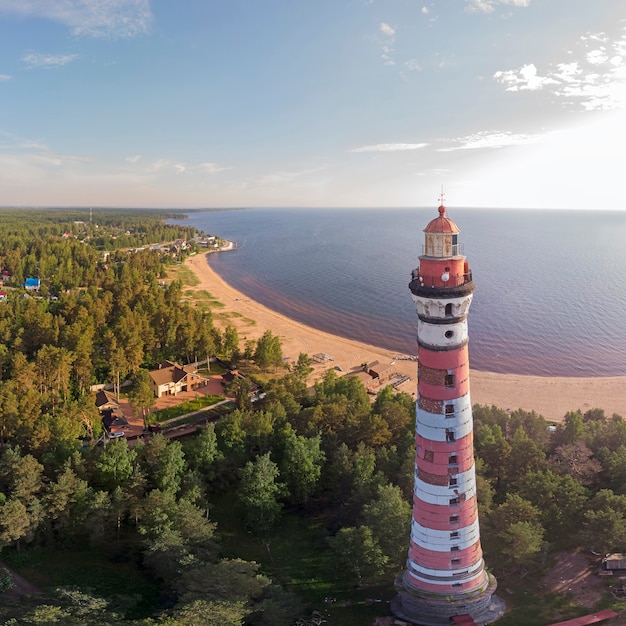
208	103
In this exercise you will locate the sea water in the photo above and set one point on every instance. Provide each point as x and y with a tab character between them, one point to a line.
550	294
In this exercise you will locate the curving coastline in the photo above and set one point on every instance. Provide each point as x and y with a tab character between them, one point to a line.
552	397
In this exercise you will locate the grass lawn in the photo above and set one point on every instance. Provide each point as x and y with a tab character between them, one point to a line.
225	317
296	556
172	412
95	571
203	299
184	274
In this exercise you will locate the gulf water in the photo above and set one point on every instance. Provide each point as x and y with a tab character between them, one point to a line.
550	293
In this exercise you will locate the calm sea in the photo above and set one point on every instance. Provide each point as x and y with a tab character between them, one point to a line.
551	285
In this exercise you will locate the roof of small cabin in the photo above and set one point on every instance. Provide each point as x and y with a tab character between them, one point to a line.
592	618
442	224
111	421
104	397
32	282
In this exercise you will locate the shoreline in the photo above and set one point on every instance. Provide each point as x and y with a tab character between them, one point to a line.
551	397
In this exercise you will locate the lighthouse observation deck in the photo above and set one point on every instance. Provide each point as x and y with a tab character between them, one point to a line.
446	284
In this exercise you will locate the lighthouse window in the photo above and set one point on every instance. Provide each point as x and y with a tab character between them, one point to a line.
454	519
454	501
429	455
449	435
452	459
455	561
454	535
449	380
449	409
454	549
453	481
449	334
448	309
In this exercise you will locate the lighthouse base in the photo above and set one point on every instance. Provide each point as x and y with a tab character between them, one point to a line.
484	608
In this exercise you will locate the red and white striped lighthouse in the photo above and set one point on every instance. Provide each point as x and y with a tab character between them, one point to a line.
445	573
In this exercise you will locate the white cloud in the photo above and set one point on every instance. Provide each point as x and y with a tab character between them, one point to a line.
134	158
301	178
210	168
597	57
424	10
185	168
524	78
413	65
390	147
35	59
488	6
387	29
60	159
595	80
90	18
5	77
488	139
387	49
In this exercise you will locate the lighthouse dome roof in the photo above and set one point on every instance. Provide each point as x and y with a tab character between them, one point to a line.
442	224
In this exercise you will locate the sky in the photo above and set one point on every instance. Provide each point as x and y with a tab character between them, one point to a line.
329	103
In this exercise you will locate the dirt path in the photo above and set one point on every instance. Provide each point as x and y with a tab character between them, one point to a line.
575	575
22	587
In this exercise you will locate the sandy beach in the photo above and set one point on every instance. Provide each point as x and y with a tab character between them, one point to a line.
551	397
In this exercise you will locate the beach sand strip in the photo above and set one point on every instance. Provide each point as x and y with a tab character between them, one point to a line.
551	397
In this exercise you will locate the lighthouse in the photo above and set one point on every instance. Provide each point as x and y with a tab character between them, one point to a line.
445	574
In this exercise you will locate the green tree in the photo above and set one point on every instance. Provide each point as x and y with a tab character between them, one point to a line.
388	516
141	395
268	351
258	493
202	451
358	554
522	542
15	522
561	499
302	465
230	342
603	526
6	580
208	613
115	463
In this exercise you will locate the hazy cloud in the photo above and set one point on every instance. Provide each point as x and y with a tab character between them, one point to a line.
185	168
387	29
5	77
387	54
413	65
390	147
134	158
488	6
90	18
60	159
36	59
287	177
210	168
489	139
